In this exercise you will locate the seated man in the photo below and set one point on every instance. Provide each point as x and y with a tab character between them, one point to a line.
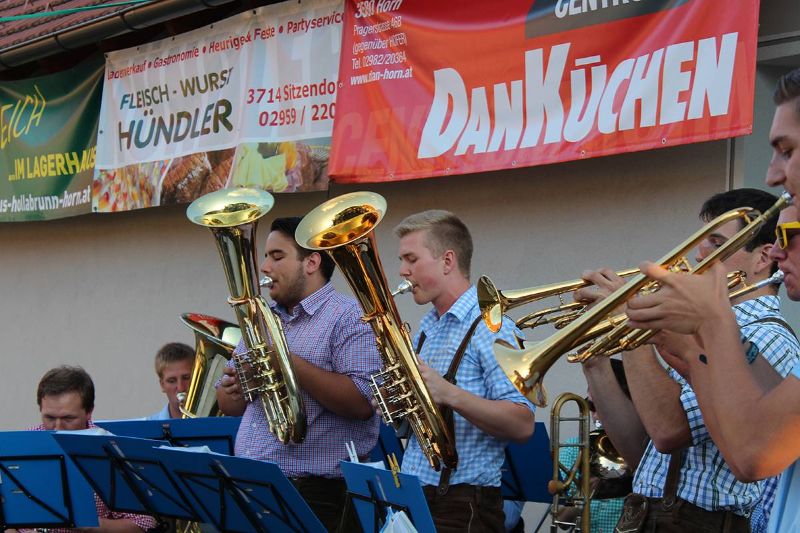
174	365
66	401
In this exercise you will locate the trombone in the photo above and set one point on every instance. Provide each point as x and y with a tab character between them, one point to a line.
526	368
578	472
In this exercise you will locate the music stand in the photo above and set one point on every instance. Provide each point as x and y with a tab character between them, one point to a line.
40	486
127	475
528	468
218	433
374	493
239	495
388	443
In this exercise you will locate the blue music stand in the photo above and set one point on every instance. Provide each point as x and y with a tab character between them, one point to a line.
127	475
388	443
40	486
374	494
235	494
218	433
528	468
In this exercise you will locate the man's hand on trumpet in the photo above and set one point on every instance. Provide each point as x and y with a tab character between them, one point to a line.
603	282
685	303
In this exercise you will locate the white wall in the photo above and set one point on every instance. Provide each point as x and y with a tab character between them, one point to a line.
105	291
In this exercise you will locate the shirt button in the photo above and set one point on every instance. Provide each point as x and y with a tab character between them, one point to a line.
253	425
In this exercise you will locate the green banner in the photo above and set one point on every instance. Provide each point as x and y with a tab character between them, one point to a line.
48	136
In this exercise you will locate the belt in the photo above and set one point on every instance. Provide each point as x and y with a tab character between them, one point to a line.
462	491
712	519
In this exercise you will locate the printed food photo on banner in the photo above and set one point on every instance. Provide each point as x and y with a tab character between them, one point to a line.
238	103
282	167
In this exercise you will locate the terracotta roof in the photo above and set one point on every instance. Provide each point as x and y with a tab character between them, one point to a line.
17	32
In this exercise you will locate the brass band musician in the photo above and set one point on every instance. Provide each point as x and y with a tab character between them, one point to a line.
755	427
435	252
333	355
66	400
174	363
682	481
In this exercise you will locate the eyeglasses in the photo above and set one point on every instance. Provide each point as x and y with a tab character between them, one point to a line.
784	232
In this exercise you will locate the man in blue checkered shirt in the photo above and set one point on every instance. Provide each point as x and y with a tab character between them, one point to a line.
757	428
435	254
709	494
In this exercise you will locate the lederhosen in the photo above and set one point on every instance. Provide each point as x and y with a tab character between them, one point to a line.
485	498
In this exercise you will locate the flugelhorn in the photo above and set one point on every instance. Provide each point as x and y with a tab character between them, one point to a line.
343	227
265	370
526	368
215	340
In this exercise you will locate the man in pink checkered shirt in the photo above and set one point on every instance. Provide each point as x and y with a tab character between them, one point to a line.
334	353
66	400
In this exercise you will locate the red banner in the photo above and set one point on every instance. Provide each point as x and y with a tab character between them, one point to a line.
455	86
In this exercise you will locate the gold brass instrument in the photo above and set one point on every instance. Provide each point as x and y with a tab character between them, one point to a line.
775	279
265	370
578	472
494	303
611	475
215	340
343	227
526	368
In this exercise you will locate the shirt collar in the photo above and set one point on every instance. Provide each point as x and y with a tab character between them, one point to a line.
311	303
460	310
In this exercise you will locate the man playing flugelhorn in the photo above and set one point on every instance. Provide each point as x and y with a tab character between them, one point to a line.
333	355
435	254
682	479
756	428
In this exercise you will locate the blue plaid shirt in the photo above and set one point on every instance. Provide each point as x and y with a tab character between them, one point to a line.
705	479
786	516
480	456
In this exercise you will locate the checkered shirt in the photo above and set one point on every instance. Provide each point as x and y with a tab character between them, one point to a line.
480	456
327	331
604	513
705	479
786	515
145	522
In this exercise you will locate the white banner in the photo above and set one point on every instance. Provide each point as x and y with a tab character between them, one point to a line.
259	82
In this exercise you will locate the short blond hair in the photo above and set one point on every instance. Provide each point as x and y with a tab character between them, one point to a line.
445	231
173	352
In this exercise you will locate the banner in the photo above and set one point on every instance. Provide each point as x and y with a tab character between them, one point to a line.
48	131
452	87
245	101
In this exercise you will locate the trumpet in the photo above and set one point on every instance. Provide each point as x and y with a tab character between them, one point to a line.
494	303
526	368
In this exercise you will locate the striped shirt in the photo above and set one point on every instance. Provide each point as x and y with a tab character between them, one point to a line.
705	479
145	522
327	331
480	456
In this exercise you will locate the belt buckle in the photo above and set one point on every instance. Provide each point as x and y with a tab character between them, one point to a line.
668	503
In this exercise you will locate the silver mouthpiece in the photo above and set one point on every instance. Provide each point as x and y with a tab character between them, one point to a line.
265	281
403	287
